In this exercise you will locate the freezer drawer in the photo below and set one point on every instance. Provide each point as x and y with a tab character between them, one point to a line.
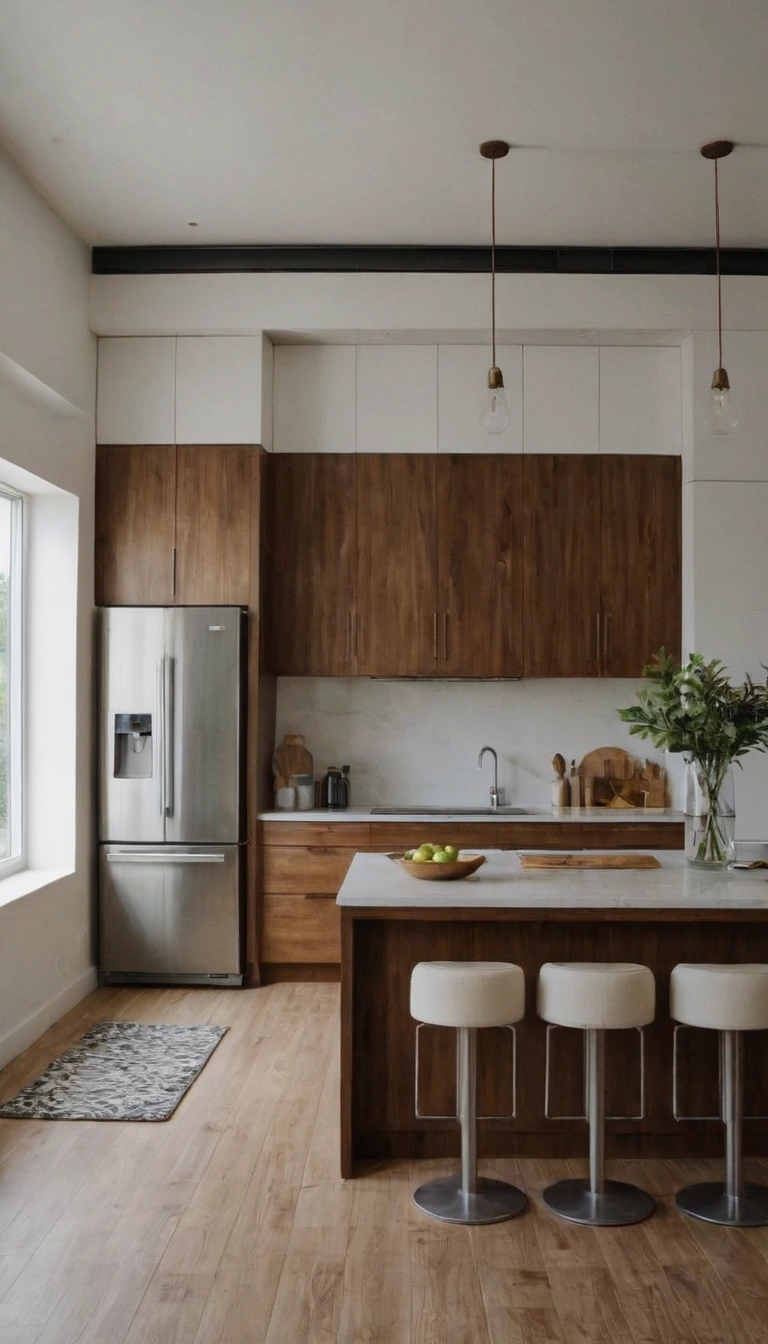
170	913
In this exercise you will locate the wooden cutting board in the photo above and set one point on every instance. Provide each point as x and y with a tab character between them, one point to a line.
608	763
292	757
587	860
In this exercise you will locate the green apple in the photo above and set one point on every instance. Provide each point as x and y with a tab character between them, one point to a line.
409	853
452	853
441	856
422	854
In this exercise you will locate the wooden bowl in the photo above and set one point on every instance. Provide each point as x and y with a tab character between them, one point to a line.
440	872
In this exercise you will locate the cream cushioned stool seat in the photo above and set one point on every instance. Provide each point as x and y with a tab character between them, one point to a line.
729	999
596	997
613	995
467	995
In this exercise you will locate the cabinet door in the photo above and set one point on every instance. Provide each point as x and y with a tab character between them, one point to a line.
397	559
135	492
561	585
313	535
480	544
641	561
213	524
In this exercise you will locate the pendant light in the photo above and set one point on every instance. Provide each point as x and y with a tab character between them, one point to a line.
495	414
721	416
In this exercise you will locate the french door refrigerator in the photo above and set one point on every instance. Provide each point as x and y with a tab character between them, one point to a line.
171	806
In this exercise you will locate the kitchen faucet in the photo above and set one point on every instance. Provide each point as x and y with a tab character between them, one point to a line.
495	785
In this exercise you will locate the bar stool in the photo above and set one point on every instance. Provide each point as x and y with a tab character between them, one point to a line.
467	995
597	997
730	1000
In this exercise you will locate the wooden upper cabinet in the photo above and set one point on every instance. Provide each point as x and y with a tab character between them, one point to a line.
214	507
135	524
561	566
312	556
479	549
397	602
641	561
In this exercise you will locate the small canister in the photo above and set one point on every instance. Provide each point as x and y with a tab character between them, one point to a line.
305	791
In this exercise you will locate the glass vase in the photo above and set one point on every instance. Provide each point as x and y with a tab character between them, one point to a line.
710	814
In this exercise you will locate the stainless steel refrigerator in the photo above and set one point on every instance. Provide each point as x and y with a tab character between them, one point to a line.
171	807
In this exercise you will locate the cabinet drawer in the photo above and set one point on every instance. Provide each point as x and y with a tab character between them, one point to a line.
634	835
305	869
344	835
300	929
396	835
541	835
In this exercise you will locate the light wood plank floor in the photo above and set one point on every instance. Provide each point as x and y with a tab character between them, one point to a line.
229	1223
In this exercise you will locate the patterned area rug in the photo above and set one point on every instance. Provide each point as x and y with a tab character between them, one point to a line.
118	1071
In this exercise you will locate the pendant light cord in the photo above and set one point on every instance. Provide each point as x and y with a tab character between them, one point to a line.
717	270
493	260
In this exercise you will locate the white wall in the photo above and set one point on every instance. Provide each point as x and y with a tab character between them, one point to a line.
47	393
726	513
418	741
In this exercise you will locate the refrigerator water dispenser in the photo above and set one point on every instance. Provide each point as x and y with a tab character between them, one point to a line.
133	746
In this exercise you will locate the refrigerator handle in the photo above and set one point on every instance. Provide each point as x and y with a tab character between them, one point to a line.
160	856
161	731
168	690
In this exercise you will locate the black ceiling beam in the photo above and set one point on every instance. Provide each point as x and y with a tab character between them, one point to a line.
194	260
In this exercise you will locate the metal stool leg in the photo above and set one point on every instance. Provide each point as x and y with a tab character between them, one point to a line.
467	1197
733	1202
597	1201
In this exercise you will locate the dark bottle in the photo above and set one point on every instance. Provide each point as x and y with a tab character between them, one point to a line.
334	791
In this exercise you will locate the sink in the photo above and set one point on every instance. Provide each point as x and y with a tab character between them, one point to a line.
451	811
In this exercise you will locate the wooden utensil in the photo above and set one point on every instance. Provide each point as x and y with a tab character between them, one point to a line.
587	860
292	757
558	765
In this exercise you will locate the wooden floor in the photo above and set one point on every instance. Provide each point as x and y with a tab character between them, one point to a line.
229	1223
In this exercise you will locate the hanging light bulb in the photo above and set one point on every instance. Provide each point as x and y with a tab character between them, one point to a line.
721	416
495	414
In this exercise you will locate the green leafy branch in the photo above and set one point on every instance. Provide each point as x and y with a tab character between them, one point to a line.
696	710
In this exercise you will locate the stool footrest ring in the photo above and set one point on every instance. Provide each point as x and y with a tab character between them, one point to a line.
454	1115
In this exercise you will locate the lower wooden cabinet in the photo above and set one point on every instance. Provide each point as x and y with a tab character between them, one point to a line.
301	929
303	865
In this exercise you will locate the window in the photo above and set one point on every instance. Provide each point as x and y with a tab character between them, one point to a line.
11	710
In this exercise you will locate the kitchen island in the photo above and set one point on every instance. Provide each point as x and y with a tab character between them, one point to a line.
658	917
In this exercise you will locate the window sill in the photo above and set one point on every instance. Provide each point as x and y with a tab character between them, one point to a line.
16	885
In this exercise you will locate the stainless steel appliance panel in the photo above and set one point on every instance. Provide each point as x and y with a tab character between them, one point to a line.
170	911
202	697
130	764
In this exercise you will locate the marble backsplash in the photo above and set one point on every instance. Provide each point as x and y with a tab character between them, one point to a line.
412	742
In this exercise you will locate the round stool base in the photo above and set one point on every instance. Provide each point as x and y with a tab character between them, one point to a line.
617	1205
709	1202
493	1202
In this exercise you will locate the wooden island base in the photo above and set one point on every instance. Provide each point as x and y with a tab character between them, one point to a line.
380	946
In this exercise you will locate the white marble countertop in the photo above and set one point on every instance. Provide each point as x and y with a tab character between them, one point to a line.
375	880
610	815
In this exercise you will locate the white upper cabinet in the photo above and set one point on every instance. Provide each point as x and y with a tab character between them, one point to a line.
314	399
462	382
561	390
397	399
218	389
640	399
135	397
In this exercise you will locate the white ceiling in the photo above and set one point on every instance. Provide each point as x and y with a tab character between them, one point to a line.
353	121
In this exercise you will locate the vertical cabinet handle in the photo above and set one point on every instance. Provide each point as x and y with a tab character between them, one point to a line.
350	636
598	647
607	641
173	572
446	654
434	635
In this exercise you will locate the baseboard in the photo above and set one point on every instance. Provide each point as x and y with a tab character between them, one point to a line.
28	1031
